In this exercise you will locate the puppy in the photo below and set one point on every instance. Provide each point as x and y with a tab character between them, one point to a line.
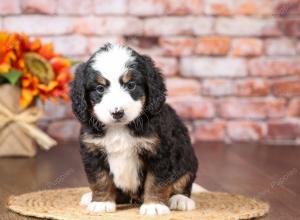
133	145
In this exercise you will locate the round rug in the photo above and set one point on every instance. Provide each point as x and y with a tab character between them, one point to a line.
63	204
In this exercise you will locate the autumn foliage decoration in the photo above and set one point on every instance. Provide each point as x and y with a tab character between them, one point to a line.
34	67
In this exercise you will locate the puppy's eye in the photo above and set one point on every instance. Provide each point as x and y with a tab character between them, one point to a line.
100	89
131	86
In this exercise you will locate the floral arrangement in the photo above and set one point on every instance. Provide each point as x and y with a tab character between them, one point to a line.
34	67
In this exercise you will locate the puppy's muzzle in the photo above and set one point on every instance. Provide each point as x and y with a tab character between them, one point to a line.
118	113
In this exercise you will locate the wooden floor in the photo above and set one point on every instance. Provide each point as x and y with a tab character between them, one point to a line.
270	173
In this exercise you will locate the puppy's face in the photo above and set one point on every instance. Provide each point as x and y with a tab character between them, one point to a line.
116	85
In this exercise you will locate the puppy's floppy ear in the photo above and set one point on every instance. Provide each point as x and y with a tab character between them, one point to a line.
79	104
156	87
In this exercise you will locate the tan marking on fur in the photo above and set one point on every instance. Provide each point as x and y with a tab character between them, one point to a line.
180	184
103	189
154	192
126	77
101	80
143	99
151	144
89	143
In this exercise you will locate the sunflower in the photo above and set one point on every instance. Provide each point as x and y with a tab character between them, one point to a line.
34	67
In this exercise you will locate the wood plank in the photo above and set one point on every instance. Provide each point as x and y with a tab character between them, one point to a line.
239	174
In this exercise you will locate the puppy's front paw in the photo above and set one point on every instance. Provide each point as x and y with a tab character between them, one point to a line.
101	207
154	209
86	199
182	203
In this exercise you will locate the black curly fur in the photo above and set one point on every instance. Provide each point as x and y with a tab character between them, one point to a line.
174	155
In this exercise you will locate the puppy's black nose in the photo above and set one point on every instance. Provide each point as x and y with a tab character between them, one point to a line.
118	114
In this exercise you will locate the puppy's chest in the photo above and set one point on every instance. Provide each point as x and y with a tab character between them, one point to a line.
122	156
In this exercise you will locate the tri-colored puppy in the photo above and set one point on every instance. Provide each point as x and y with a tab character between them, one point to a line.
133	145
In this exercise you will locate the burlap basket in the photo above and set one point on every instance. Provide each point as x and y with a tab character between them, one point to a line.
18	133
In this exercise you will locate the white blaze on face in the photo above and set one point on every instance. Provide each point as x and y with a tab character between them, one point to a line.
112	65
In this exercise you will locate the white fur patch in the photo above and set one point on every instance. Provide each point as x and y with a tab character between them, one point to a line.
122	154
154	209
101	207
181	202
117	98
196	188
111	65
86	199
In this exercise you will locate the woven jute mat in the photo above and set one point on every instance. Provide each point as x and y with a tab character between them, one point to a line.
63	204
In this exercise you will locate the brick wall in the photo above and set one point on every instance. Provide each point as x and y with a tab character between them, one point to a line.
232	67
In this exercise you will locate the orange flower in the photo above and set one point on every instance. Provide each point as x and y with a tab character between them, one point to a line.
45	74
29	89
60	63
46	51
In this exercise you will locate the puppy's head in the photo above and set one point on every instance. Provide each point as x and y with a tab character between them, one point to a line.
116	86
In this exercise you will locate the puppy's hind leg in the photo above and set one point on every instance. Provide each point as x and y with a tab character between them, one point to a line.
180	199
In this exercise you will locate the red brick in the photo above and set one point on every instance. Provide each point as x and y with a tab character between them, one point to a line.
286	88
214	45
94	43
209	131
217	87
247	26
258	8
281	47
110	6
39	24
212	67
247	47
164	7
219	7
146	7
178	26
64	130
177	46
233	108
182	87
203	26
38	6
251	109
245	131
294	107
69	45
289	26
192	107
109	25
168	26
75	7
285	8
168	65
252	87
9	7
272	67
283	131
275	108
239	7
179	7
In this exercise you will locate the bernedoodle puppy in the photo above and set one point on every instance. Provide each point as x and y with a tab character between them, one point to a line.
133	145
